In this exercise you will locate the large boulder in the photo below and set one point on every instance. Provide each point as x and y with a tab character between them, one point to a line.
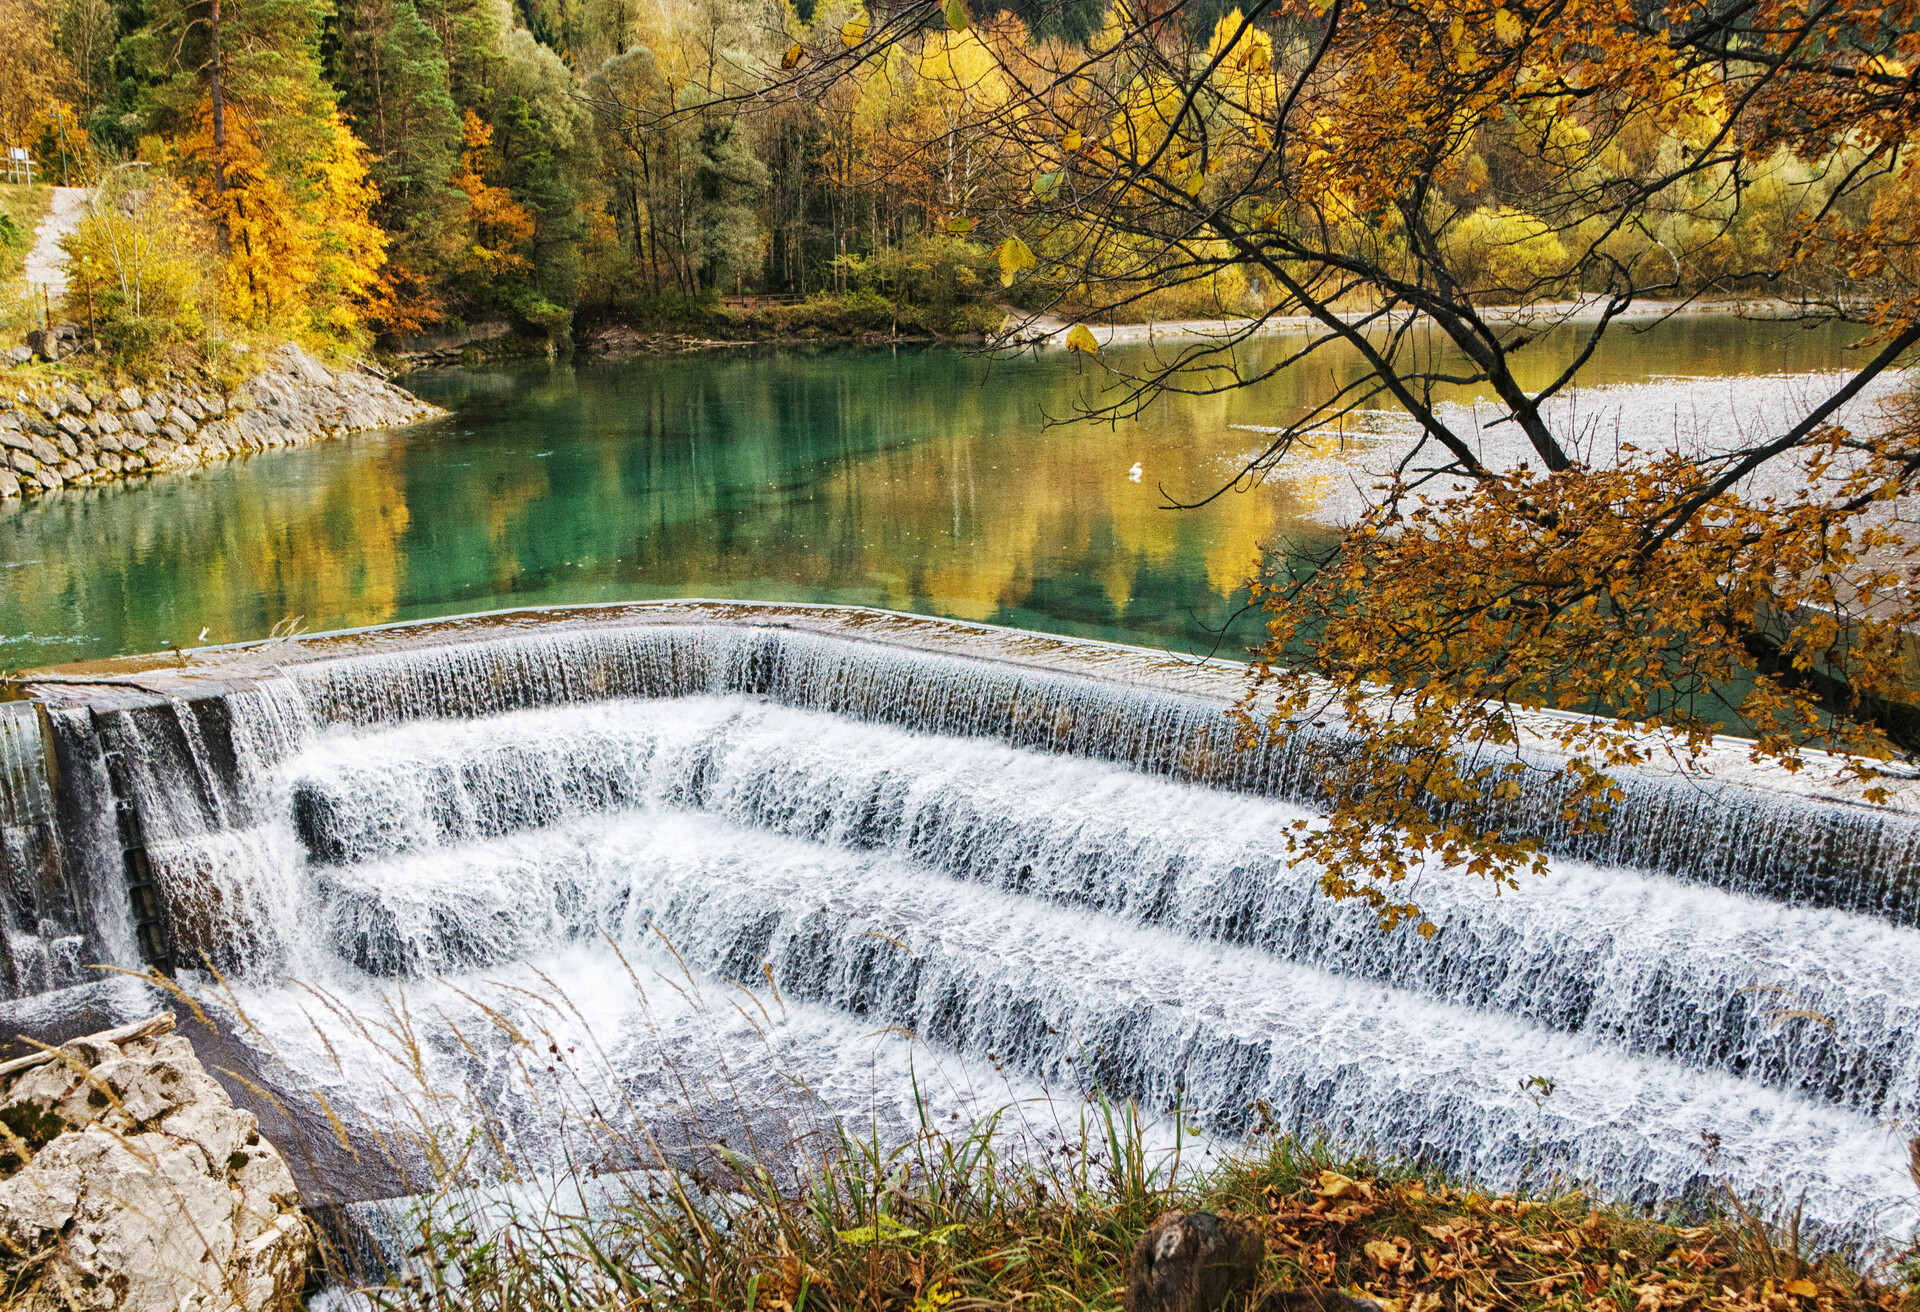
129	1181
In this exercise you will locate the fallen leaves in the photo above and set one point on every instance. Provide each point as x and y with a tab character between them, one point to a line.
1334	1185
1394	1257
1419	1249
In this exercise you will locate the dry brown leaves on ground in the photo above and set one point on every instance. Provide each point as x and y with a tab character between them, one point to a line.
1417	1248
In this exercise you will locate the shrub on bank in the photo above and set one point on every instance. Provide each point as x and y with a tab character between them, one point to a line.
863	312
825	316
928	286
141	270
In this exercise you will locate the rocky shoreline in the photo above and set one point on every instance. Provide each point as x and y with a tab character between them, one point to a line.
55	433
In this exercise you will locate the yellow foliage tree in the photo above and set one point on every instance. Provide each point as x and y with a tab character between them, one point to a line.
30	67
258	141
58	139
303	253
499	222
1503	254
958	83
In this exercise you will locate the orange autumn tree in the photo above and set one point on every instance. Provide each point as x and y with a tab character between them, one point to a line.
264	150
302	254
1462	199
499	223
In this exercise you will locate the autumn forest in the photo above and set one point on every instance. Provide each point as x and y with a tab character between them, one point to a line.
373	169
389	166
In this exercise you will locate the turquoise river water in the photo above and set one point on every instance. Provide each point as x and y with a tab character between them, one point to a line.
922	479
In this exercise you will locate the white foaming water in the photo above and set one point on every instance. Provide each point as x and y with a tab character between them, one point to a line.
1709	978
800	879
603	1059
1076	999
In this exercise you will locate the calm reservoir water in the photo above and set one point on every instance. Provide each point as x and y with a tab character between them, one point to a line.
920	479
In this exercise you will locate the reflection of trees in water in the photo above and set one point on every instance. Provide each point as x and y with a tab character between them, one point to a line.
233	551
919	480
932	491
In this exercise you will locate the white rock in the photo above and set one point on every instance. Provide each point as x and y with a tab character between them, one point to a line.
146	1189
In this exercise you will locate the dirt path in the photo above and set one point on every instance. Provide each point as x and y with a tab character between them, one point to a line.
46	263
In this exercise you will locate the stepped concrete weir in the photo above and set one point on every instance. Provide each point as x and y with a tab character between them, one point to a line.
851	864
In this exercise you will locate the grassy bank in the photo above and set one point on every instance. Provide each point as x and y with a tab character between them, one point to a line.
206	367
946	1222
21	209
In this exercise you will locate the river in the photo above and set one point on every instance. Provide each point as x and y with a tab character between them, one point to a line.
763	871
922	479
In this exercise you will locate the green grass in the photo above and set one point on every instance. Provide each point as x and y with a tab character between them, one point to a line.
947	1221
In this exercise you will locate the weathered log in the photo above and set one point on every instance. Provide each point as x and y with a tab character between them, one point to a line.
1205	1262
1194	1262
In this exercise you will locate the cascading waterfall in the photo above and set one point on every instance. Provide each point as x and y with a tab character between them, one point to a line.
40	927
1701	976
1054	882
1781	847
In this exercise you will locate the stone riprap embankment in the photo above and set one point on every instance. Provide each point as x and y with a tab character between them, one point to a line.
55	434
129	1181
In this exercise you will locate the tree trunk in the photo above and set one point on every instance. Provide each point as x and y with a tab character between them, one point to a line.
217	97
